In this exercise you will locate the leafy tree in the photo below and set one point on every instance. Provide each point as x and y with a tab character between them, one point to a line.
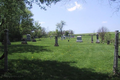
40	3
66	33
16	18
102	32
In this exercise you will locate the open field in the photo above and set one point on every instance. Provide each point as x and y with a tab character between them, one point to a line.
41	60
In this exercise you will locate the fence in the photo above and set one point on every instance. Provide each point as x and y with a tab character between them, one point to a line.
116	63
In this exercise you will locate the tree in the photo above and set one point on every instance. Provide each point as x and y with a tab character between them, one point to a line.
11	14
71	31
102	32
15	17
40	2
60	26
66	33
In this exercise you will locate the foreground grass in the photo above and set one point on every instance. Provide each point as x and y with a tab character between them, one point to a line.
41	60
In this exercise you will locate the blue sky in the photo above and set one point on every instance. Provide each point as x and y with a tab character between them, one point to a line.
80	16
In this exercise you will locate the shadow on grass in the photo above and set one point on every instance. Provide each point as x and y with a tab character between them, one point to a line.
26	48
49	70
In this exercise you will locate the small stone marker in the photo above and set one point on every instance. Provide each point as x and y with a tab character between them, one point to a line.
91	38
64	37
97	39
28	37
33	40
68	40
56	41
24	41
79	39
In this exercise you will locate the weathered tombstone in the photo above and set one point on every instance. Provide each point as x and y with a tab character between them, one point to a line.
79	39
64	37
68	40
97	39
33	40
56	41
91	38
28	37
24	41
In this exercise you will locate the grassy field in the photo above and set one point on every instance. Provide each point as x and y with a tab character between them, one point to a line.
71	60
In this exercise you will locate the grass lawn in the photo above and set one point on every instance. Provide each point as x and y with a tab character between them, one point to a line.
71	60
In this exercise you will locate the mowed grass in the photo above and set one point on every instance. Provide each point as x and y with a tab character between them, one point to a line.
71	60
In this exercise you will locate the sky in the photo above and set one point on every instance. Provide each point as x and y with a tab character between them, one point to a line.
81	16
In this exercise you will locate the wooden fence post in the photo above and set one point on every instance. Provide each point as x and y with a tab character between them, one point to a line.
5	50
115	65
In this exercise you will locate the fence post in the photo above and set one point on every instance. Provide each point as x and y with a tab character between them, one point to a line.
5	50
115	65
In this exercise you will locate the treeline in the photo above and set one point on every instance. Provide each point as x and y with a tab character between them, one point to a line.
15	17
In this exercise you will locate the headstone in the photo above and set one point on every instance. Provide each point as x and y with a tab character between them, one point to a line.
28	37
56	41
97	39
91	38
68	40
79	39
24	41
64	37
33	40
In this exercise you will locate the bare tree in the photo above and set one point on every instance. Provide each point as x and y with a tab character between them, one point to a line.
60	26
102	31
71	32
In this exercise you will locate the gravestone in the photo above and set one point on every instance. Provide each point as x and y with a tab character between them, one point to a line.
64	37
33	39
97	39
56	41
91	38
24	41
28	37
79	39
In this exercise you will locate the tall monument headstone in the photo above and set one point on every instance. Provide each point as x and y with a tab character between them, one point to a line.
56	41
97	38
91	38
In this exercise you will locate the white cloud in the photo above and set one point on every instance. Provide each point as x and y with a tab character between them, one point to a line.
104	22
41	22
77	6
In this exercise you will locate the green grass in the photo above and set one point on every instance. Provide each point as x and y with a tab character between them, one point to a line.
41	60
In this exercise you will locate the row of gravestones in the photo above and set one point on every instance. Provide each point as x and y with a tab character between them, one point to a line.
64	37
24	41
79	39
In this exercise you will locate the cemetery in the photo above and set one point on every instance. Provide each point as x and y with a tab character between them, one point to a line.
69	60
37	44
